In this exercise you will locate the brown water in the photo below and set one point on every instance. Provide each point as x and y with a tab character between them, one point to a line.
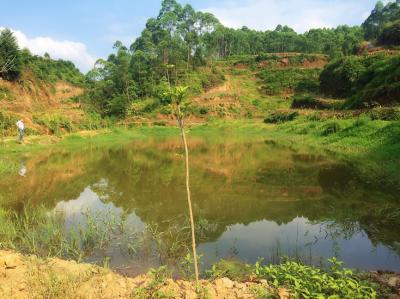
252	199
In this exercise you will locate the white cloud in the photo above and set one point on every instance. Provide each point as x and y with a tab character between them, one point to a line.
58	49
300	15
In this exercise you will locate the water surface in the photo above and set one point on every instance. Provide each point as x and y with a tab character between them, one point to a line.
252	198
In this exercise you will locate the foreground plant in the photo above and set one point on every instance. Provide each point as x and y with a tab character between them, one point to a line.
175	96
310	282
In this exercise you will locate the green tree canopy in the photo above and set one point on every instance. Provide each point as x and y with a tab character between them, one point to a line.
10	57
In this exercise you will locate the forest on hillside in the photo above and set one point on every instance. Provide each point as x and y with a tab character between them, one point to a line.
181	47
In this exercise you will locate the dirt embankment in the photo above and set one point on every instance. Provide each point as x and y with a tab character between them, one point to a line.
31	277
29	99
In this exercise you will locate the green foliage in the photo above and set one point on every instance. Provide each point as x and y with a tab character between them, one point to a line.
281	117
225	42
232	269
13	62
390	34
7	166
55	123
51	71
379	84
331	128
381	16
388	114
279	81
7	120
10	57
5	94
340	76
302	102
310	282
366	80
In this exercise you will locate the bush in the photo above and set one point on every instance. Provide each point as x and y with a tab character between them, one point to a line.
203	110
280	117
379	85
385	114
307	85
367	81
310	282
340	76
302	102
279	81
331	128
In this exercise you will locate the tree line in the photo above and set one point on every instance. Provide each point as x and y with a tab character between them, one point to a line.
176	46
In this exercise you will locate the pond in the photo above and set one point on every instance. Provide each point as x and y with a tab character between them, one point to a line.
252	199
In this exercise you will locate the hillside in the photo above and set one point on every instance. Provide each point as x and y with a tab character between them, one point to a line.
39	104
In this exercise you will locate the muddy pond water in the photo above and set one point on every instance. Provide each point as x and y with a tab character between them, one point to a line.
252	199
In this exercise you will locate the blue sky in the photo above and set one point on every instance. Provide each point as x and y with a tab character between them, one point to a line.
84	30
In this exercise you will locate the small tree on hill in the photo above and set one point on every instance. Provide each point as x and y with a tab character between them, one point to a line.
10	62
175	96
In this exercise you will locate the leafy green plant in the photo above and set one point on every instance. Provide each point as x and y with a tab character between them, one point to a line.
310	282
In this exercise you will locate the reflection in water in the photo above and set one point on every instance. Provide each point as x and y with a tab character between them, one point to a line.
251	199
22	170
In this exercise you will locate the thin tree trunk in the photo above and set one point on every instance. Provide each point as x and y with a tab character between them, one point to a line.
182	127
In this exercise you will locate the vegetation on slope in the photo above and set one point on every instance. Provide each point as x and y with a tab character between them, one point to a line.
368	81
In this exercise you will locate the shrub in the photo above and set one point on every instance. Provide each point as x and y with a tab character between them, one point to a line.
279	81
314	117
340	76
331	128
367	81
380	83
160	123
203	110
385	114
302	102
280	117
390	34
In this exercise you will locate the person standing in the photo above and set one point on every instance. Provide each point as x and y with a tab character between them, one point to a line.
21	130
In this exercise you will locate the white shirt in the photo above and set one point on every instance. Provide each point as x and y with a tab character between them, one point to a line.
20	125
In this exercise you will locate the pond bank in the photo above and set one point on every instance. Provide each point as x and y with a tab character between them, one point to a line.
373	146
29	276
